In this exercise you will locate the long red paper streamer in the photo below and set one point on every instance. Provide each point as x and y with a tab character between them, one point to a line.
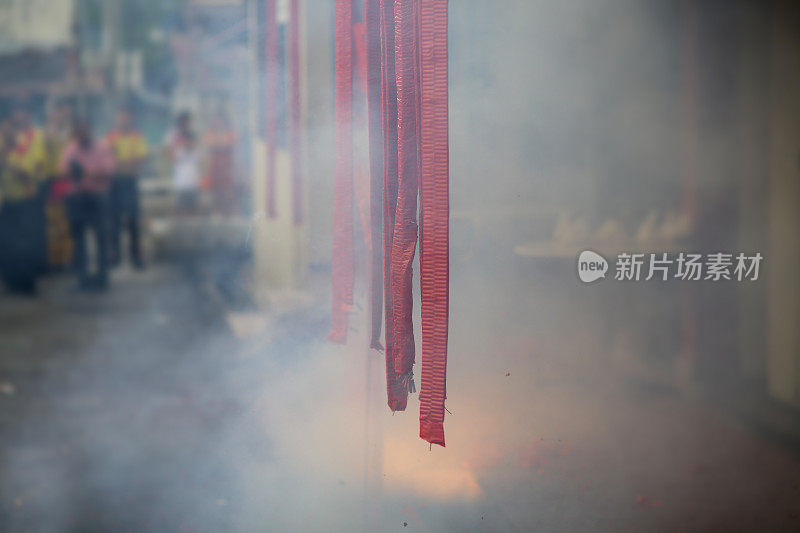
405	225
372	25
271	104
397	394
434	214
342	260
295	140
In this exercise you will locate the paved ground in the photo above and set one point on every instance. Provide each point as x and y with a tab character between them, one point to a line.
116	408
140	410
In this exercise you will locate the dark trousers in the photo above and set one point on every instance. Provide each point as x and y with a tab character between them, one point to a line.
125	215
22	243
89	210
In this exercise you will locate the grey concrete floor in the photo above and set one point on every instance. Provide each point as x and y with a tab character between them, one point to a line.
113	407
140	410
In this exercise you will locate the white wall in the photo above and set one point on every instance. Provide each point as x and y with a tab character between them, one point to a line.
27	23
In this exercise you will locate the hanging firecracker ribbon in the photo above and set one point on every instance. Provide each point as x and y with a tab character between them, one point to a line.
361	158
295	138
271	101
406	72
434	216
342	260
405	224
373	88
397	393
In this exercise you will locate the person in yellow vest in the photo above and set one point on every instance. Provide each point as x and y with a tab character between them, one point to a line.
29	155
15	185
28	158
130	150
57	131
22	224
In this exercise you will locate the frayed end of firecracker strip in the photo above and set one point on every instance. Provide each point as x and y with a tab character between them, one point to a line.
431	431
397	405
407	382
436	438
377	346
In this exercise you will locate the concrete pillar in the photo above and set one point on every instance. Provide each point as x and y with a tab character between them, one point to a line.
752	154
319	121
280	247
782	262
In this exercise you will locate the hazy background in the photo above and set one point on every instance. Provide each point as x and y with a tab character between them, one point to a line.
201	395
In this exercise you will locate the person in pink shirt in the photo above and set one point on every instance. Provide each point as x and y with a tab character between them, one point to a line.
89	166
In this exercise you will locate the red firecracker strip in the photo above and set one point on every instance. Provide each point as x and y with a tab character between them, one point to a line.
295	139
397	394
373	52
342	260
405	224
271	104
434	215
361	164
405	68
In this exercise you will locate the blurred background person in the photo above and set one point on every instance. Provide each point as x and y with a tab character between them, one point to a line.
29	155
90	166
21	215
219	142
25	246
130	149
57	131
183	152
